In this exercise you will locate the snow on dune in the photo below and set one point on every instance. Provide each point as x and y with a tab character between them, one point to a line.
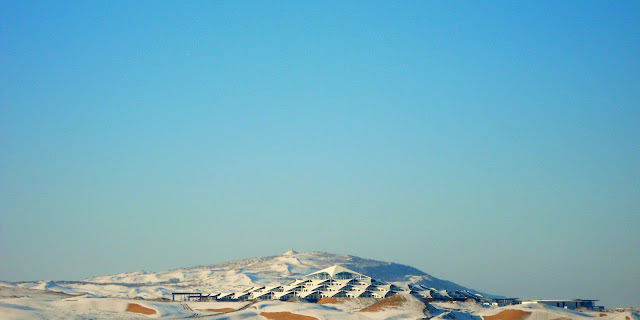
85	307
305	309
405	306
399	306
545	312
109	297
465	306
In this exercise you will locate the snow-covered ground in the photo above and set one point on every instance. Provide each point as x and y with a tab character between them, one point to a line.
21	303
123	295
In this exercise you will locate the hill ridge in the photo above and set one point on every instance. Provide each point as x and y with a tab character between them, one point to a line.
243	274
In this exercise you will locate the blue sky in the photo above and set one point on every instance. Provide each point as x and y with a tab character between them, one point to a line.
493	144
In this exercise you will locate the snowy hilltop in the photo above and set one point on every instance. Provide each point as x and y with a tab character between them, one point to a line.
244	274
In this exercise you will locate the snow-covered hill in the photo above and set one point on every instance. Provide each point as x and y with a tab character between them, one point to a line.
242	274
116	296
239	275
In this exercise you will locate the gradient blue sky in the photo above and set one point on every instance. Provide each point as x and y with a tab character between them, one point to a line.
495	144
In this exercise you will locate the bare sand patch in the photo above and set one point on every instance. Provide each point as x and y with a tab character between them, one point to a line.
285	316
603	314
627	317
327	300
391	302
508	315
134	307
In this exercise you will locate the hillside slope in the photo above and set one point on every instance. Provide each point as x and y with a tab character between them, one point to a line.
239	275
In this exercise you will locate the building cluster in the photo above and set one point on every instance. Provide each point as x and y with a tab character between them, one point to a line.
332	282
340	282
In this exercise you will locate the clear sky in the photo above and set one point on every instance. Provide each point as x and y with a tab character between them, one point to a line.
492	143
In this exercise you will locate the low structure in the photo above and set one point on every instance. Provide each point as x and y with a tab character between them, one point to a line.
501	302
567	304
186	296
